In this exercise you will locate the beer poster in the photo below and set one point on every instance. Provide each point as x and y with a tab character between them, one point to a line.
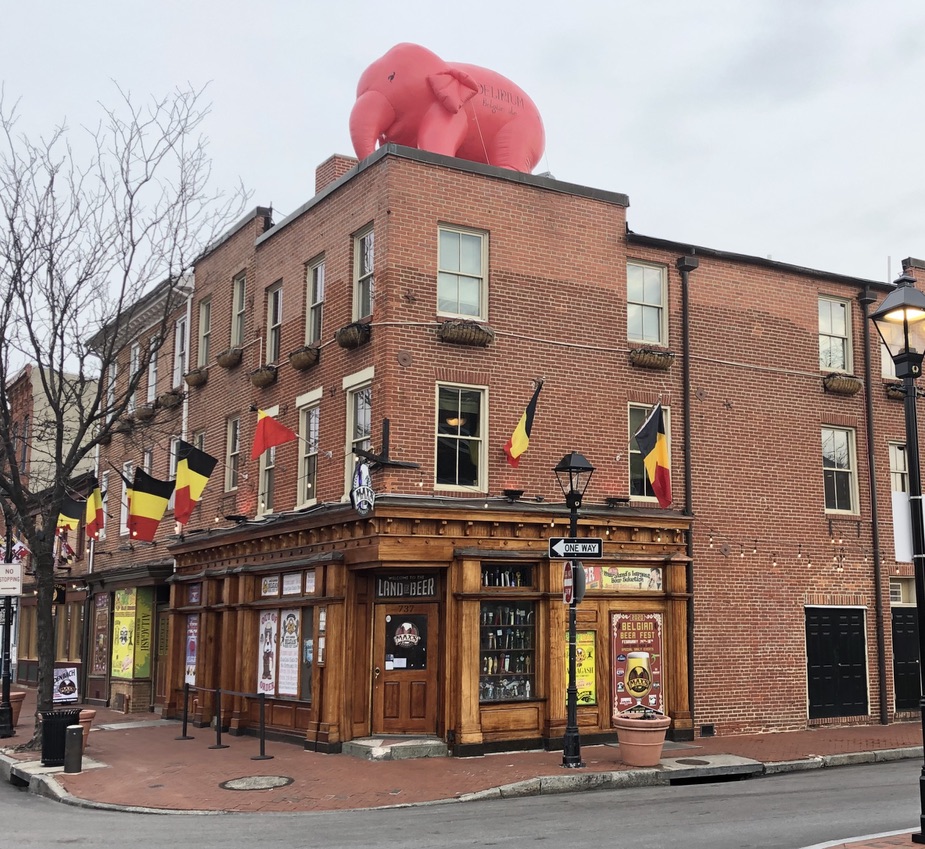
123	634
637	660
623	578
290	621
100	659
585	666
266	658
192	647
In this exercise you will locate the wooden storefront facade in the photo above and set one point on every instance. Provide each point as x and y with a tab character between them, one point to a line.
442	620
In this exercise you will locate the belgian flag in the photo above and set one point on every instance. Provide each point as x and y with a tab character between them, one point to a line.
194	467
147	505
93	518
69	515
269	434
653	445
520	438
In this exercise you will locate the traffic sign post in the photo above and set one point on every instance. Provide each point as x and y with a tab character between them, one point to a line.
568	548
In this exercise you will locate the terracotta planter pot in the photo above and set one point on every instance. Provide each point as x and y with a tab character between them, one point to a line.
16	700
641	740
86	720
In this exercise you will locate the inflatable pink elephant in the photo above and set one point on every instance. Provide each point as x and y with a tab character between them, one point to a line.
412	97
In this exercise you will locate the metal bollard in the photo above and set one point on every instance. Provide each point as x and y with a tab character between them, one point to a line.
73	748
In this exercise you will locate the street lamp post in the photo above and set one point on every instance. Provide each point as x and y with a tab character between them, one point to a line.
900	321
573	473
6	709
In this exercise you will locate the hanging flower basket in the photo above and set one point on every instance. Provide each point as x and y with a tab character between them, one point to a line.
841	384
651	358
170	400
229	358
263	376
465	332
353	335
196	376
641	735
896	391
145	412
305	357
124	425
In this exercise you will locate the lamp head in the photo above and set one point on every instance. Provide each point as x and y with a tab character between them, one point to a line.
900	321
573	473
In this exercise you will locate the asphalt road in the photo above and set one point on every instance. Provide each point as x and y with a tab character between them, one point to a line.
777	812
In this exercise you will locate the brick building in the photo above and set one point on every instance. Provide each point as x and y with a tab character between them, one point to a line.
406	312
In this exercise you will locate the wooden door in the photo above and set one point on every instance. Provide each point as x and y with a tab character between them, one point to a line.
160	657
405	660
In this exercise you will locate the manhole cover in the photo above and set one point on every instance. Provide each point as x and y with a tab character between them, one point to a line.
256	782
693	762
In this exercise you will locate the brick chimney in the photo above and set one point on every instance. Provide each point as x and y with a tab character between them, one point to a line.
332	169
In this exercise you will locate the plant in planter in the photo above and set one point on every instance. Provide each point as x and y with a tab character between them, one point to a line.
145	412
229	358
196	376
305	357
170	399
653	358
263	376
641	733
896	391
841	384
353	335
465	332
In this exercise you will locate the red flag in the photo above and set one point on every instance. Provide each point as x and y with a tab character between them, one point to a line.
269	434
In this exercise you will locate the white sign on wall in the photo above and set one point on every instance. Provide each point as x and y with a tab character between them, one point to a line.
10	579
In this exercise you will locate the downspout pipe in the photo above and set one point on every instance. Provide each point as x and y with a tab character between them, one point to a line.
685	265
866	298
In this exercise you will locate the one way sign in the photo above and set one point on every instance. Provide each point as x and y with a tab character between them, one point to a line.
569	547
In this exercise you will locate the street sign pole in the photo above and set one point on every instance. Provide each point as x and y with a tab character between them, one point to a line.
6	709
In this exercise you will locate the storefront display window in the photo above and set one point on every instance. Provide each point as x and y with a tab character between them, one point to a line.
508	651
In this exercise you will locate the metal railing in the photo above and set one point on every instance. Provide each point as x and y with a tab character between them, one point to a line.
217	716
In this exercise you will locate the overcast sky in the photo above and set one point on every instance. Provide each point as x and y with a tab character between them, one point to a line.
793	129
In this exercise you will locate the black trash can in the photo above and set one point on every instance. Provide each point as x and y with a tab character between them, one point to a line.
54	733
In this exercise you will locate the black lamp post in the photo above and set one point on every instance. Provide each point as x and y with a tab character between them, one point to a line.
6	709
573	472
900	321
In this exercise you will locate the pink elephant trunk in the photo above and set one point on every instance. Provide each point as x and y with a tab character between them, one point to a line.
370	117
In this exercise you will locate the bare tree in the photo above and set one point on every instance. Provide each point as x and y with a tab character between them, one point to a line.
83	239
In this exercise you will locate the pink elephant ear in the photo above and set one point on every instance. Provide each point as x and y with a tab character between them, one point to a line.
452	88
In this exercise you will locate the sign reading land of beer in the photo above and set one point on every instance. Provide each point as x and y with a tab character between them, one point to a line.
288	683
131	633
622	578
585	666
100	661
637	660
192	647
406	586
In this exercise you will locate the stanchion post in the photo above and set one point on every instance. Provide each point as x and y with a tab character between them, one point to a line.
184	735
263	756
218	722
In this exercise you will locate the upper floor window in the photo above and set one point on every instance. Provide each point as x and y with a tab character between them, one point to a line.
111	389
315	296
359	418
834	335
267	481
887	366
232	452
104	494
462	261
127	475
24	445
646	296
899	468
205	332
839	469
180	343
154	350
134	360
274	321
238	309
174	461
364	284
309	417
459	438
640	486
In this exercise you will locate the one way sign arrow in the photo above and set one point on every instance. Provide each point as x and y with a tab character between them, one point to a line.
569	547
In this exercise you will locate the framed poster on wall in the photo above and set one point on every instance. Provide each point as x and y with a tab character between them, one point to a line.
637	660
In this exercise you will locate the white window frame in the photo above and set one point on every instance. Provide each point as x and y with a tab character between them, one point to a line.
111	389
238	309
642	309
309	407
147	460
180	350
314	297
104	494
266	474
134	361
480	437
829	331
450	276
635	455
353	385
128	471
274	321
205	332
232	453
364	267
173	460
154	350
899	468
851	470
